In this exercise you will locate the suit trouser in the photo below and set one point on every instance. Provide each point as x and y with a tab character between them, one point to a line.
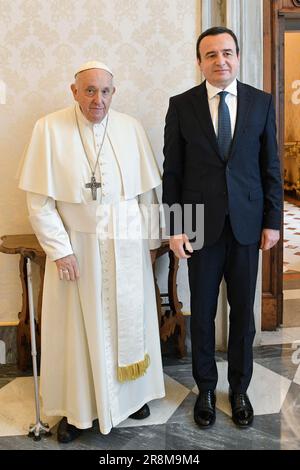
238	263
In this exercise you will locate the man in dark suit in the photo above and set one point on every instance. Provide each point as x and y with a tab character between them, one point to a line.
221	151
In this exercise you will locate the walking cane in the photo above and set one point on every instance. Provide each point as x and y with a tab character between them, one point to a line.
35	430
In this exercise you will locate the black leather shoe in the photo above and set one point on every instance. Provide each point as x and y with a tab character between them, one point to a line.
142	413
205	409
242	411
67	432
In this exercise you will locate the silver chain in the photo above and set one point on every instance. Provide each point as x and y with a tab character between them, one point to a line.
85	152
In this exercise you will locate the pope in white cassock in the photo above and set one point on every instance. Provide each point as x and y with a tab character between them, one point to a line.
89	173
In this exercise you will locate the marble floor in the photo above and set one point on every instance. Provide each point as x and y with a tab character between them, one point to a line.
274	391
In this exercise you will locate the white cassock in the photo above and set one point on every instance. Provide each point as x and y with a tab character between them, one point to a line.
93	327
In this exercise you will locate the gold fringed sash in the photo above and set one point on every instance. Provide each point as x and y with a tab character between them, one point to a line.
133	360
133	371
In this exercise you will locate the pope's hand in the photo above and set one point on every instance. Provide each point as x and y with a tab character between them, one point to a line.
67	268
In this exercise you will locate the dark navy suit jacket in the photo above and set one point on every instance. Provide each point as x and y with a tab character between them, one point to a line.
247	186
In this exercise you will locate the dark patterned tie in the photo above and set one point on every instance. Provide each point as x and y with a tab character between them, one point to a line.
224	126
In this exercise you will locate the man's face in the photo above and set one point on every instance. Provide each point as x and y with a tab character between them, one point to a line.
219	60
93	90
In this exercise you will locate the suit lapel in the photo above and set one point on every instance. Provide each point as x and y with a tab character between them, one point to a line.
243	106
201	109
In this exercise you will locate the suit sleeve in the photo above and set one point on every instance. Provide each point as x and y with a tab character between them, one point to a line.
271	173
173	165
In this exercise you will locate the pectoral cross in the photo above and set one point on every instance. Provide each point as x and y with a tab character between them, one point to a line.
93	186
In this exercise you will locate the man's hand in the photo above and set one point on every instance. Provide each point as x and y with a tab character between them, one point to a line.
269	238
67	268
178	243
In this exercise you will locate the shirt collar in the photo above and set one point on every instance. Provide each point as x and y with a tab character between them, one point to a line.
212	91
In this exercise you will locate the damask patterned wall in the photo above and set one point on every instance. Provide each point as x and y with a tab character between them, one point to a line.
148	43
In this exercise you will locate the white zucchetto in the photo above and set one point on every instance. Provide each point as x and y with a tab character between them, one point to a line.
93	64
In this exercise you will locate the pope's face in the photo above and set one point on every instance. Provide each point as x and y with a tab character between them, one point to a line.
93	90
219	61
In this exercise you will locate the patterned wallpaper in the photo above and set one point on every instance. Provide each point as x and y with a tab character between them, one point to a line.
149	44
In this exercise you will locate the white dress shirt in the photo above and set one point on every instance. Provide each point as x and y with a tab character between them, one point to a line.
231	101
